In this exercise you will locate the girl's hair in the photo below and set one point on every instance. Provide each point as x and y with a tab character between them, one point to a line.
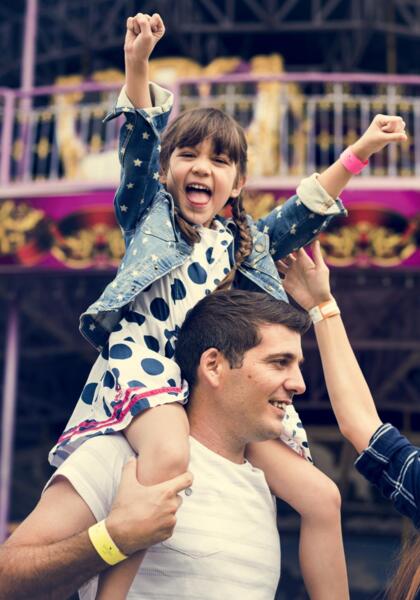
191	128
406	582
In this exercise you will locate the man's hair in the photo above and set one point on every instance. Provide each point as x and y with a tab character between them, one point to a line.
230	321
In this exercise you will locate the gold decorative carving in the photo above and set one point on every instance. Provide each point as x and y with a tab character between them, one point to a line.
17	222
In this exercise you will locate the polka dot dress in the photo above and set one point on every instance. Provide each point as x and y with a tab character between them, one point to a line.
136	370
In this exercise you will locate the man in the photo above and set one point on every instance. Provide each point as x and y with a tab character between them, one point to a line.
241	353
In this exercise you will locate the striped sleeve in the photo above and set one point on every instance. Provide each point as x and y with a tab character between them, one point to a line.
392	464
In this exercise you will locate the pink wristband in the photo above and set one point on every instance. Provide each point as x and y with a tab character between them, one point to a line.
351	162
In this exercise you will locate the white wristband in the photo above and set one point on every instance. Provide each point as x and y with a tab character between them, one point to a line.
325	310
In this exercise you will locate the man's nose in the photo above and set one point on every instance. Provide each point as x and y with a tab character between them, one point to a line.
295	383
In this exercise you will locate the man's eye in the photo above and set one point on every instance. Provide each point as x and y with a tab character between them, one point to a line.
282	363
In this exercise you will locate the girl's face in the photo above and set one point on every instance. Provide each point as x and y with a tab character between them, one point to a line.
201	181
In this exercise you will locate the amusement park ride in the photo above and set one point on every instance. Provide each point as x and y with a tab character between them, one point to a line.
59	242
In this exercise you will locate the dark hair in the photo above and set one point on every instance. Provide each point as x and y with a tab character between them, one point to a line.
191	128
194	126
230	321
405	584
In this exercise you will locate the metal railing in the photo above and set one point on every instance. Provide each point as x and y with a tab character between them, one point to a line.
295	123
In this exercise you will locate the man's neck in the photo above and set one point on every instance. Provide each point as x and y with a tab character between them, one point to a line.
213	433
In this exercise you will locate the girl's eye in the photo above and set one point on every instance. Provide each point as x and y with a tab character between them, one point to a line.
221	160
186	154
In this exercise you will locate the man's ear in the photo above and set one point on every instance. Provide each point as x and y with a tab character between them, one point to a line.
238	185
211	366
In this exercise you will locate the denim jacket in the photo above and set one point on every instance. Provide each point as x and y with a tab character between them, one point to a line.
154	245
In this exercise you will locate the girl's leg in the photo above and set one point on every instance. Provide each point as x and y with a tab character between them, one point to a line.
317	499
160	438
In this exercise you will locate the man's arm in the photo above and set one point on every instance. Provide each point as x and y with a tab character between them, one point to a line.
50	555
307	281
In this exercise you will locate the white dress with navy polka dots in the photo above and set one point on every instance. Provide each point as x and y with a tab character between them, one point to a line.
137	371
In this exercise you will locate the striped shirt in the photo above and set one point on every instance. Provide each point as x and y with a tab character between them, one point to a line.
392	463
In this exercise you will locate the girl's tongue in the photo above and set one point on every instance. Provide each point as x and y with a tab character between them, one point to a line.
197	196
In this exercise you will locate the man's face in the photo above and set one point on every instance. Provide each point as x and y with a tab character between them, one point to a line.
255	396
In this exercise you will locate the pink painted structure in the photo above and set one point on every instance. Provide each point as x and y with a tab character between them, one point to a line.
386	199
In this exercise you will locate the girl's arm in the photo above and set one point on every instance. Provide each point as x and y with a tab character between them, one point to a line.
383	130
297	222
317	499
146	107
143	33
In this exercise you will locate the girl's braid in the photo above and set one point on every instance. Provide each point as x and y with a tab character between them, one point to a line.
245	244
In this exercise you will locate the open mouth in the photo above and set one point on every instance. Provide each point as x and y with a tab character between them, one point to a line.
279	405
198	194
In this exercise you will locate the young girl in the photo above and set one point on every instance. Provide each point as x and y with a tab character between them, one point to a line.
177	250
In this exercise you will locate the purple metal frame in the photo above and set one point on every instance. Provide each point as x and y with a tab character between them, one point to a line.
25	94
8	414
7	136
12	99
12	339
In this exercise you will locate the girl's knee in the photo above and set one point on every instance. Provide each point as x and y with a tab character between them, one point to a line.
328	500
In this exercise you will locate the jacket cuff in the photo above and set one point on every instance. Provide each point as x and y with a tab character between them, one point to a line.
315	198
162	100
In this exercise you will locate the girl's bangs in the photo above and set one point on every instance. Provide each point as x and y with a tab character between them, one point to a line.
212	125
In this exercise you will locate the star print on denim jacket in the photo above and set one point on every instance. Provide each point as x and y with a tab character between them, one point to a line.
154	245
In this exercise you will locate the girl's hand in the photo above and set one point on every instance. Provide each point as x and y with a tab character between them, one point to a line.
143	33
383	130
307	280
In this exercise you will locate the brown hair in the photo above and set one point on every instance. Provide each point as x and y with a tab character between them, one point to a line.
406	582
191	128
230	321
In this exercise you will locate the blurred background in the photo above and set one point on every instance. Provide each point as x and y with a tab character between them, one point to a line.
304	78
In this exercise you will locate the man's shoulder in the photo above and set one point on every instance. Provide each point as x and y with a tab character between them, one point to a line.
104	445
99	454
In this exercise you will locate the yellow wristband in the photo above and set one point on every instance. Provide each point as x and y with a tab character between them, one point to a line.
104	544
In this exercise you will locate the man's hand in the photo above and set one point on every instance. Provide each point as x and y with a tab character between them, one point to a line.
383	130
142	516
143	33
306	280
